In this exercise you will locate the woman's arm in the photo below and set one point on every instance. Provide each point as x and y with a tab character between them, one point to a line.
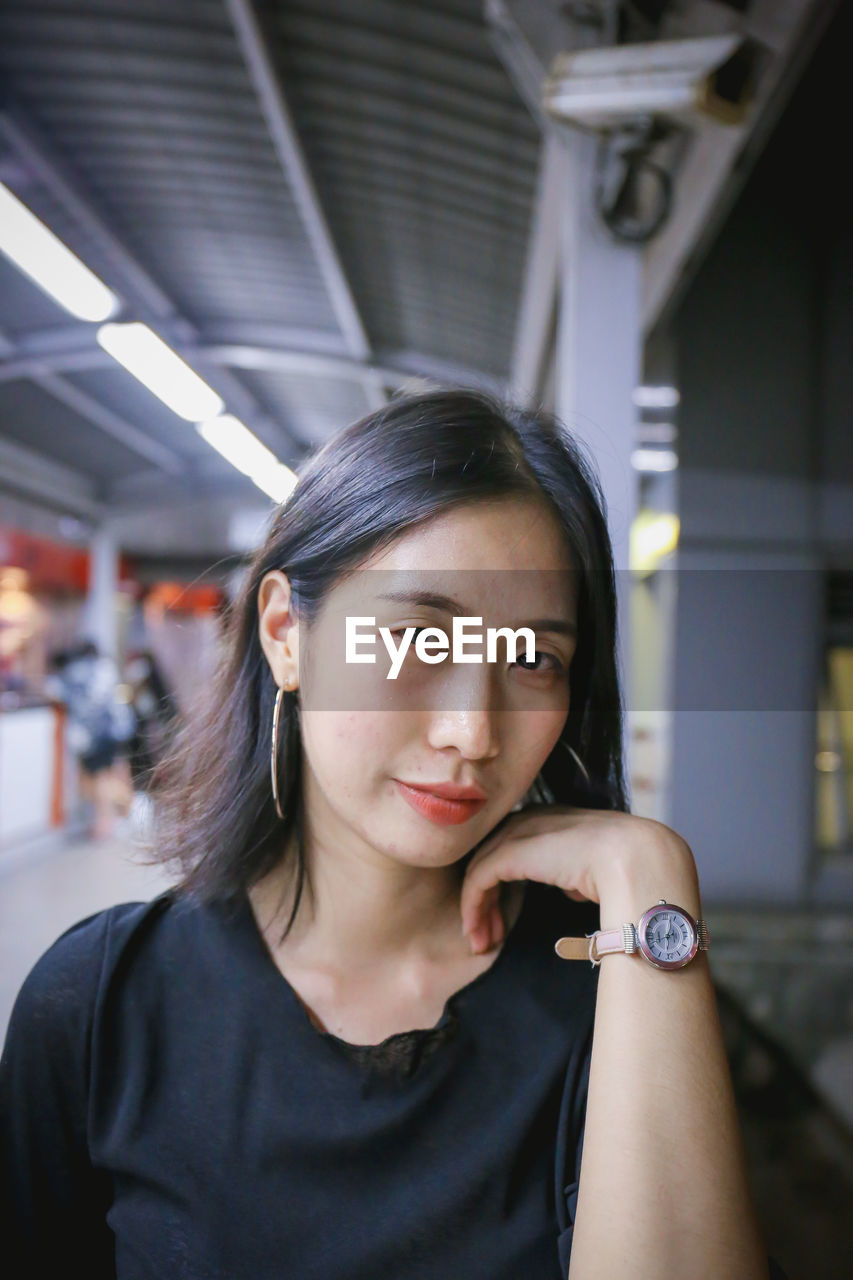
663	1184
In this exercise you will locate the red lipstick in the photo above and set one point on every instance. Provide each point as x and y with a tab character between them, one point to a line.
452	806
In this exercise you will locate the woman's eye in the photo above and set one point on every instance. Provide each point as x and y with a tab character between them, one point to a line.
555	667
556	664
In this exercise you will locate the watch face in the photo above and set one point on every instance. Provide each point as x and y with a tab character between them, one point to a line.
668	936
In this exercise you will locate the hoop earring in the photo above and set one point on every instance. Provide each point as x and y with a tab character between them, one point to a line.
276	715
580	764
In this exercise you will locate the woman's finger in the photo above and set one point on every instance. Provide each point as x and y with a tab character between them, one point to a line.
482	882
497	925
481	917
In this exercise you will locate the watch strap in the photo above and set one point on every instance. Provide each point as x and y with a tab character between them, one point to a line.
572	948
605	942
609	941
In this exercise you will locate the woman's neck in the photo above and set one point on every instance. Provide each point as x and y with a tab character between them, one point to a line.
362	911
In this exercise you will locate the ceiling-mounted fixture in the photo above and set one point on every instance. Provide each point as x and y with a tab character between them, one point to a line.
139	350
602	88
654	459
659	396
241	447
41	255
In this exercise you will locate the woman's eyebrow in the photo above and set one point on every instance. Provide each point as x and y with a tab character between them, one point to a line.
434	600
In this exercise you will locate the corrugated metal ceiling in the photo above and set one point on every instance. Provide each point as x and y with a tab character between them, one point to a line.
423	157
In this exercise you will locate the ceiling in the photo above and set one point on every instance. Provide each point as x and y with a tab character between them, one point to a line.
305	251
313	201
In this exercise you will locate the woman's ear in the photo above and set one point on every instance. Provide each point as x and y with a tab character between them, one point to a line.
278	628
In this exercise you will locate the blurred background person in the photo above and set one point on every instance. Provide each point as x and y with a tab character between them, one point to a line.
156	713
101	729
156	717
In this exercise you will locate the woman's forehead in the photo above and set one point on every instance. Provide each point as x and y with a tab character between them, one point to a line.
510	534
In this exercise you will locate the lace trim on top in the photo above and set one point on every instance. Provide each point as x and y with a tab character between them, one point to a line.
401	1054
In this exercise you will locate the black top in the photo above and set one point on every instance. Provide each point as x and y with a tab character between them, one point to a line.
169	1110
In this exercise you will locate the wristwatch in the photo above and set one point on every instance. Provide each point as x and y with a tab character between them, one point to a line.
667	936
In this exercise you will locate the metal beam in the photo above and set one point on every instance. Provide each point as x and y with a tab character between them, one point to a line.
520	60
92	410
20	368
74	350
148	492
54	175
142	289
534	320
71	347
111	423
292	159
415	364
526	34
52	483
391	371
312	364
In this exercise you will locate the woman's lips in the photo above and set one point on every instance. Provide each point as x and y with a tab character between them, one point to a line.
436	808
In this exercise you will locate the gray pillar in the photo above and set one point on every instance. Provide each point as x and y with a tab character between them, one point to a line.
749	614
598	358
100	618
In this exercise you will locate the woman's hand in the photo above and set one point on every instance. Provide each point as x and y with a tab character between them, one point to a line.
597	855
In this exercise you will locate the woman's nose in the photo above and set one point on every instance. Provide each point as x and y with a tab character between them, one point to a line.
473	732
469	717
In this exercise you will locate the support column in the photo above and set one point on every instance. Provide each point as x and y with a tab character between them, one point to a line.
750	622
100	620
599	358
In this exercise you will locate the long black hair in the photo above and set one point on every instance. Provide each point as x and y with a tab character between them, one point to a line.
394	469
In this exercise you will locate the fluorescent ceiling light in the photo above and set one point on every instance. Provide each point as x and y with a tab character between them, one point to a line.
42	256
242	448
649	397
237	444
278	484
654	460
161	370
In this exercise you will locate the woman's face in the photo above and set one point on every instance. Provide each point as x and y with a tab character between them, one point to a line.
486	724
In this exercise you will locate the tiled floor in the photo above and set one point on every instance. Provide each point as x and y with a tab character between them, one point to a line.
44	894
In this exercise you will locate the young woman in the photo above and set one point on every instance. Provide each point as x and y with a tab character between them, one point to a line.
347	1044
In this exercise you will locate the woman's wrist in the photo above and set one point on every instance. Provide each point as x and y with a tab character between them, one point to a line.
659	865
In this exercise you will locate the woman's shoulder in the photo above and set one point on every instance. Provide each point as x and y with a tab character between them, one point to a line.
62	988
67	973
117	977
